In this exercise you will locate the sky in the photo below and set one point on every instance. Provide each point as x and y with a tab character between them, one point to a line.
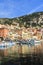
16	8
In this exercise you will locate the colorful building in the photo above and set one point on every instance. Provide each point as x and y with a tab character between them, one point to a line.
3	32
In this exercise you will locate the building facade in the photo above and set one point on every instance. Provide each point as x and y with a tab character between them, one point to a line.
3	32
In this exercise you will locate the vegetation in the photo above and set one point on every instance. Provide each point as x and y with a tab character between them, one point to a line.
26	20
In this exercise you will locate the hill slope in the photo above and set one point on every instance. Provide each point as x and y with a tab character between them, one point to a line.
26	20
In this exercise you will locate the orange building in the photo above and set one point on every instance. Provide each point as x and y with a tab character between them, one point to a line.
3	32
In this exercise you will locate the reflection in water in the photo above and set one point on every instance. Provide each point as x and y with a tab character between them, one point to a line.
30	60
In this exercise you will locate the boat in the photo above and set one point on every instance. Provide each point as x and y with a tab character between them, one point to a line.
5	45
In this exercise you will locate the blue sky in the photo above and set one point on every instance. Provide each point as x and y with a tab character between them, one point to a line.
16	8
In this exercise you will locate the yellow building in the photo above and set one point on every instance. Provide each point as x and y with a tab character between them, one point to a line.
26	35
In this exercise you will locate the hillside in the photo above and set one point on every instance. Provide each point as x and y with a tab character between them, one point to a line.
33	19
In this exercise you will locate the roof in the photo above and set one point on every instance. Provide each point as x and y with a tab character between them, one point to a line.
3	28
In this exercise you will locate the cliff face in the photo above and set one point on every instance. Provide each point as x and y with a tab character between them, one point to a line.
33	19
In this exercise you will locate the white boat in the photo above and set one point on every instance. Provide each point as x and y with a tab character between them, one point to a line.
37	42
5	45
